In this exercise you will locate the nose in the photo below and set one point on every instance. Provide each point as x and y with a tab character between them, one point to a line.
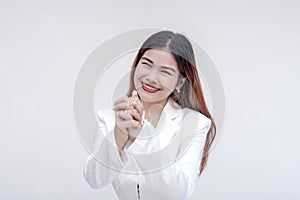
152	76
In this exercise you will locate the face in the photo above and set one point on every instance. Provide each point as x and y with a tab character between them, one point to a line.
156	76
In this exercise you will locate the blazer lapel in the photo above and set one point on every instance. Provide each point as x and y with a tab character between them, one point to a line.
169	123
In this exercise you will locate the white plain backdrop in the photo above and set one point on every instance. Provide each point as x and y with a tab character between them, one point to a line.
254	44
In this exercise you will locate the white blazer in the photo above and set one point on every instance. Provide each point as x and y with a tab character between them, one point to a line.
162	163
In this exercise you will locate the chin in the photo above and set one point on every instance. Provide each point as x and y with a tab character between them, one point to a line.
152	98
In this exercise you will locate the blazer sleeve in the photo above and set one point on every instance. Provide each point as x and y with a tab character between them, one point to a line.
105	161
177	180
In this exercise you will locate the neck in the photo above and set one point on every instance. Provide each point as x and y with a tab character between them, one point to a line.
153	110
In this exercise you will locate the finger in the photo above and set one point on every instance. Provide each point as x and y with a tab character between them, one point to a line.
135	115
123	99
124	105
123	115
131	124
137	104
134	94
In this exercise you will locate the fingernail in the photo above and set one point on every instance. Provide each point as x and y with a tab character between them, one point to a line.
134	93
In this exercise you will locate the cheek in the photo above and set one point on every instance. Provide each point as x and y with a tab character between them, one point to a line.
136	76
139	72
170	84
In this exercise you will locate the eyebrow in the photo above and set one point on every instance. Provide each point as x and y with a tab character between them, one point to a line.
165	67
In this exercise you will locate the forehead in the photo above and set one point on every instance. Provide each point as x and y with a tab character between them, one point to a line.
161	58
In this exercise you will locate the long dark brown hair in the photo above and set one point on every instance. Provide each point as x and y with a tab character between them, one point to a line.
191	94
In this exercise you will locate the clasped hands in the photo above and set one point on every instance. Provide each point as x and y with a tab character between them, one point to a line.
129	119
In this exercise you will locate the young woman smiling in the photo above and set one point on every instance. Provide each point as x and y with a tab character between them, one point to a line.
156	142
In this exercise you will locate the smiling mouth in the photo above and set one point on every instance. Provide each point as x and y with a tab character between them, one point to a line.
149	88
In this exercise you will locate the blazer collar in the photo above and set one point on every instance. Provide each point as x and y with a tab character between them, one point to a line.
172	109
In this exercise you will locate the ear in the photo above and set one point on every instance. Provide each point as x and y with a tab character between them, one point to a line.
180	83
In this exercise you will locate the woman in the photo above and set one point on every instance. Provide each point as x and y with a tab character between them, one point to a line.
155	141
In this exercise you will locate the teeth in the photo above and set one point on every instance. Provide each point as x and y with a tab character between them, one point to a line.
150	88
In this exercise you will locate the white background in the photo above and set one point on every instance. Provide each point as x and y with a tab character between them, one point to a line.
254	44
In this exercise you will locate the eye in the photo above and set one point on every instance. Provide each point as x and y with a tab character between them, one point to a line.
166	72
146	65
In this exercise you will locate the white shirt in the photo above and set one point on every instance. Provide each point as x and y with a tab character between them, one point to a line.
163	161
